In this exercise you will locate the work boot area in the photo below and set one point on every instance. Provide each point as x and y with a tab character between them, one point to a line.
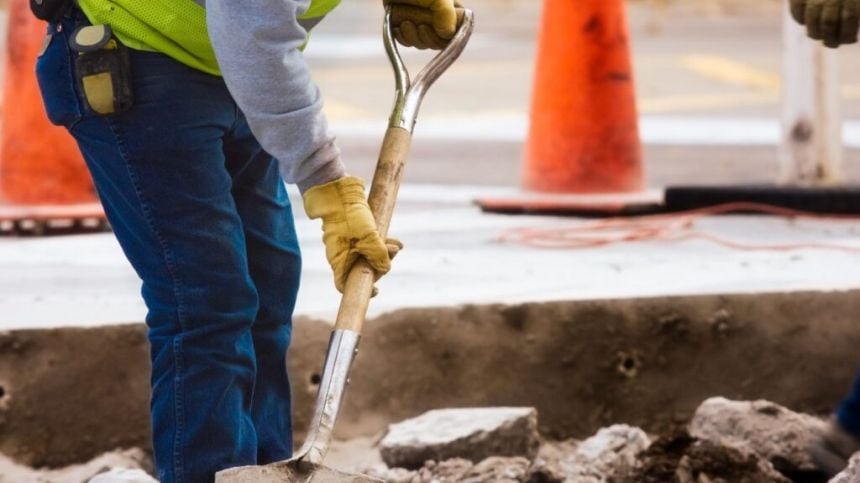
688	348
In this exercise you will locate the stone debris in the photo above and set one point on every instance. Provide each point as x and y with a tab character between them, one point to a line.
728	442
611	451
472	434
851	474
391	475
495	469
128	462
770	431
123	475
548	465
280	472
681	458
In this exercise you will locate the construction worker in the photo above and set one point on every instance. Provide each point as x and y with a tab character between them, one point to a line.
190	115
835	23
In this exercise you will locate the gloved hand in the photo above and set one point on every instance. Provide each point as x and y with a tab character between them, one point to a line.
836	22
424	24
349	230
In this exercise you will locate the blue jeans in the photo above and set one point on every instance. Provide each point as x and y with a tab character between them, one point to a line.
848	413
203	216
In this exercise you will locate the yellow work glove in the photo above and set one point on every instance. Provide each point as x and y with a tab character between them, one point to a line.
424	24
835	22
349	229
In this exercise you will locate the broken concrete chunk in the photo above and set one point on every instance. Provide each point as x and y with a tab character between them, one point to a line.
681	458
123	475
450	470
613	446
472	434
705	461
851	474
761	427
498	470
547	465
491	470
611	451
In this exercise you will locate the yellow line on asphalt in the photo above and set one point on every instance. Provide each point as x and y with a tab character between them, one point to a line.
709	102
729	71
344	111
383	71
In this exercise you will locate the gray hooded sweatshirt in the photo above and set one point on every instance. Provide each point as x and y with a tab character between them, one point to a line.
257	43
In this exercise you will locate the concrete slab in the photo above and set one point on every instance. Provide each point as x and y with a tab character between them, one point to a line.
453	256
470	433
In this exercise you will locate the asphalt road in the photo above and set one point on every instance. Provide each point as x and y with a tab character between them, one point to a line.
699	66
708	86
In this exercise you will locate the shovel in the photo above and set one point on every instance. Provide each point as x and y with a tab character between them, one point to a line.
307	464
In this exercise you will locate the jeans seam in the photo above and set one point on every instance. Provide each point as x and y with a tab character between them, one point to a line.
170	263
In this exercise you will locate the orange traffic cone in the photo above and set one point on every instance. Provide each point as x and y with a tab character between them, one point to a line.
584	135
583	153
43	178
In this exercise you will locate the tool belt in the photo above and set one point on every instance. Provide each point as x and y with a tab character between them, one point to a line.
102	66
50	10
102	69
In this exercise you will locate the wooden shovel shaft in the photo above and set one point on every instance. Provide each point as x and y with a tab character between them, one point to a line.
383	197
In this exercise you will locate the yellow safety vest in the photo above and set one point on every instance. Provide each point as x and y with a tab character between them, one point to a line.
176	28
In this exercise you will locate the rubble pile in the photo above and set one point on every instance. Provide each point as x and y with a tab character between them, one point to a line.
726	441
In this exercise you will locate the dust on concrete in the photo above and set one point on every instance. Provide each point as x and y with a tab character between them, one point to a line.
135	458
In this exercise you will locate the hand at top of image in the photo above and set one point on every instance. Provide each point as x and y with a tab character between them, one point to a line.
425	24
834	22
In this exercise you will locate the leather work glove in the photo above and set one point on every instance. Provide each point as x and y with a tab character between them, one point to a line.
424	24
349	229
835	22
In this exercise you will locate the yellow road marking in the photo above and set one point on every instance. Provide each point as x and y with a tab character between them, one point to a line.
730	71
698	102
648	105
383	72
335	109
762	87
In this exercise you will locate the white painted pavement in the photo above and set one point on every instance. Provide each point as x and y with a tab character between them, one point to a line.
453	256
655	130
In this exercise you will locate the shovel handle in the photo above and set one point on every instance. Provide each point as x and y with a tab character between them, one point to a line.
383	197
392	158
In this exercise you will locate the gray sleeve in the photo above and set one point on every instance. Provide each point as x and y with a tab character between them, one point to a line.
257	46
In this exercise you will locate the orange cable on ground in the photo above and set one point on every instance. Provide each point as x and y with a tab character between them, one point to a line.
674	227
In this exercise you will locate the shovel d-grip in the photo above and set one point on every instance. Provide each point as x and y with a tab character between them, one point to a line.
343	345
